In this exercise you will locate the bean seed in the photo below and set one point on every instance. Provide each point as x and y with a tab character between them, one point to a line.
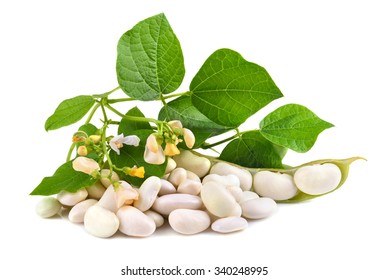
187	221
134	222
198	165
317	179
258	208
77	213
71	199
167	203
245	178
100	222
277	186
229	224
48	207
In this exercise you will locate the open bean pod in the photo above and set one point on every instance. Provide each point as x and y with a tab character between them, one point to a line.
316	178
292	184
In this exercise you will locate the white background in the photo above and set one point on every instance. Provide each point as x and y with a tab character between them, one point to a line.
331	56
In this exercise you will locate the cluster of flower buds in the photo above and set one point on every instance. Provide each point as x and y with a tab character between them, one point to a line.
155	154
85	143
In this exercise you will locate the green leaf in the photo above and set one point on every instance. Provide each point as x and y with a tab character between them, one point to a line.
150	59
252	150
69	111
127	127
182	109
88	128
65	178
130	156
293	126
228	89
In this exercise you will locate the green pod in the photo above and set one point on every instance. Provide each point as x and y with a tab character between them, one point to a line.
342	164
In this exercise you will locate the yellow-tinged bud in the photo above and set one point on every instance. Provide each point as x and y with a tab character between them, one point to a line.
171	149
82	150
95	138
135	171
189	138
79	136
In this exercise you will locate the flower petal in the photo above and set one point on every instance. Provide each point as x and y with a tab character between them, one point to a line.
154	158
132	140
114	146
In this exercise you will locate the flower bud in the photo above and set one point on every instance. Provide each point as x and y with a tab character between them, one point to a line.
82	151
95	138
171	149
85	165
189	138
135	171
175	124
79	136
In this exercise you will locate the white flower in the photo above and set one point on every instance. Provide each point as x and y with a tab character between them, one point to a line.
189	138
86	165
125	194
154	158
117	142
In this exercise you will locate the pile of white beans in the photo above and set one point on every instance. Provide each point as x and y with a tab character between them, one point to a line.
192	197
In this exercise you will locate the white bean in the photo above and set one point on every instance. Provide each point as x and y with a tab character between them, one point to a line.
196	164
77	213
187	221
148	193
218	200
167	203
277	186
170	166
317	179
189	186
258	208
229	224
223	168
96	191
166	188
158	219
71	199
48	207
134	222
100	222
177	176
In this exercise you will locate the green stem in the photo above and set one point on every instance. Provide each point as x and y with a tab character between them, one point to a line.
92	113
104	140
111	101
208	146
131	118
70	151
105	94
238	134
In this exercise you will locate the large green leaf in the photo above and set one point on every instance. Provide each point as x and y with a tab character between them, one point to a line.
182	109
150	59
252	150
127	127
65	178
130	156
69	111
293	126
228	89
